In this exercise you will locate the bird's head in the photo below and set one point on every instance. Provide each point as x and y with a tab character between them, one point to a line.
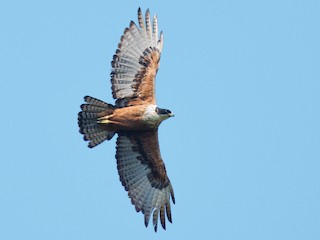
154	116
164	113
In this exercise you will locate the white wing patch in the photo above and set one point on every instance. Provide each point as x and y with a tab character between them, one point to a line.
126	61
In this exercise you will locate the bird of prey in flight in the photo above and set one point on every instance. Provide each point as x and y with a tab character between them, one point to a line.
135	118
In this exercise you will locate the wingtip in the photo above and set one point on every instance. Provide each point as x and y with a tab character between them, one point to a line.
172	195
85	98
130	25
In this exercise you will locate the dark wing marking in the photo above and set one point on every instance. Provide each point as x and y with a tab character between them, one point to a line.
143	174
135	63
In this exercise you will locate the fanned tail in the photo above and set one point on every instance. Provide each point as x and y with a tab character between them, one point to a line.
88	121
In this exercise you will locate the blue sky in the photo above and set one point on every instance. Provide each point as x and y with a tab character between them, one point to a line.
242	153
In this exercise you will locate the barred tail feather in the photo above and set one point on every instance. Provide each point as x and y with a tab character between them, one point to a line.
87	120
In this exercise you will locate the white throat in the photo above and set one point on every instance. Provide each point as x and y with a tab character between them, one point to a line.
151	117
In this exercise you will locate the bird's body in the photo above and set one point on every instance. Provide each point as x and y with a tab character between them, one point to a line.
135	118
132	118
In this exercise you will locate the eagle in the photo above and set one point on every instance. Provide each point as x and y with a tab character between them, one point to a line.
135	118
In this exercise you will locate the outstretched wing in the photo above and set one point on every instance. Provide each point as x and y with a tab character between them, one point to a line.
143	174
135	63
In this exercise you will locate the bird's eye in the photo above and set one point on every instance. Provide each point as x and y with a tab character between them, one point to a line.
168	111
